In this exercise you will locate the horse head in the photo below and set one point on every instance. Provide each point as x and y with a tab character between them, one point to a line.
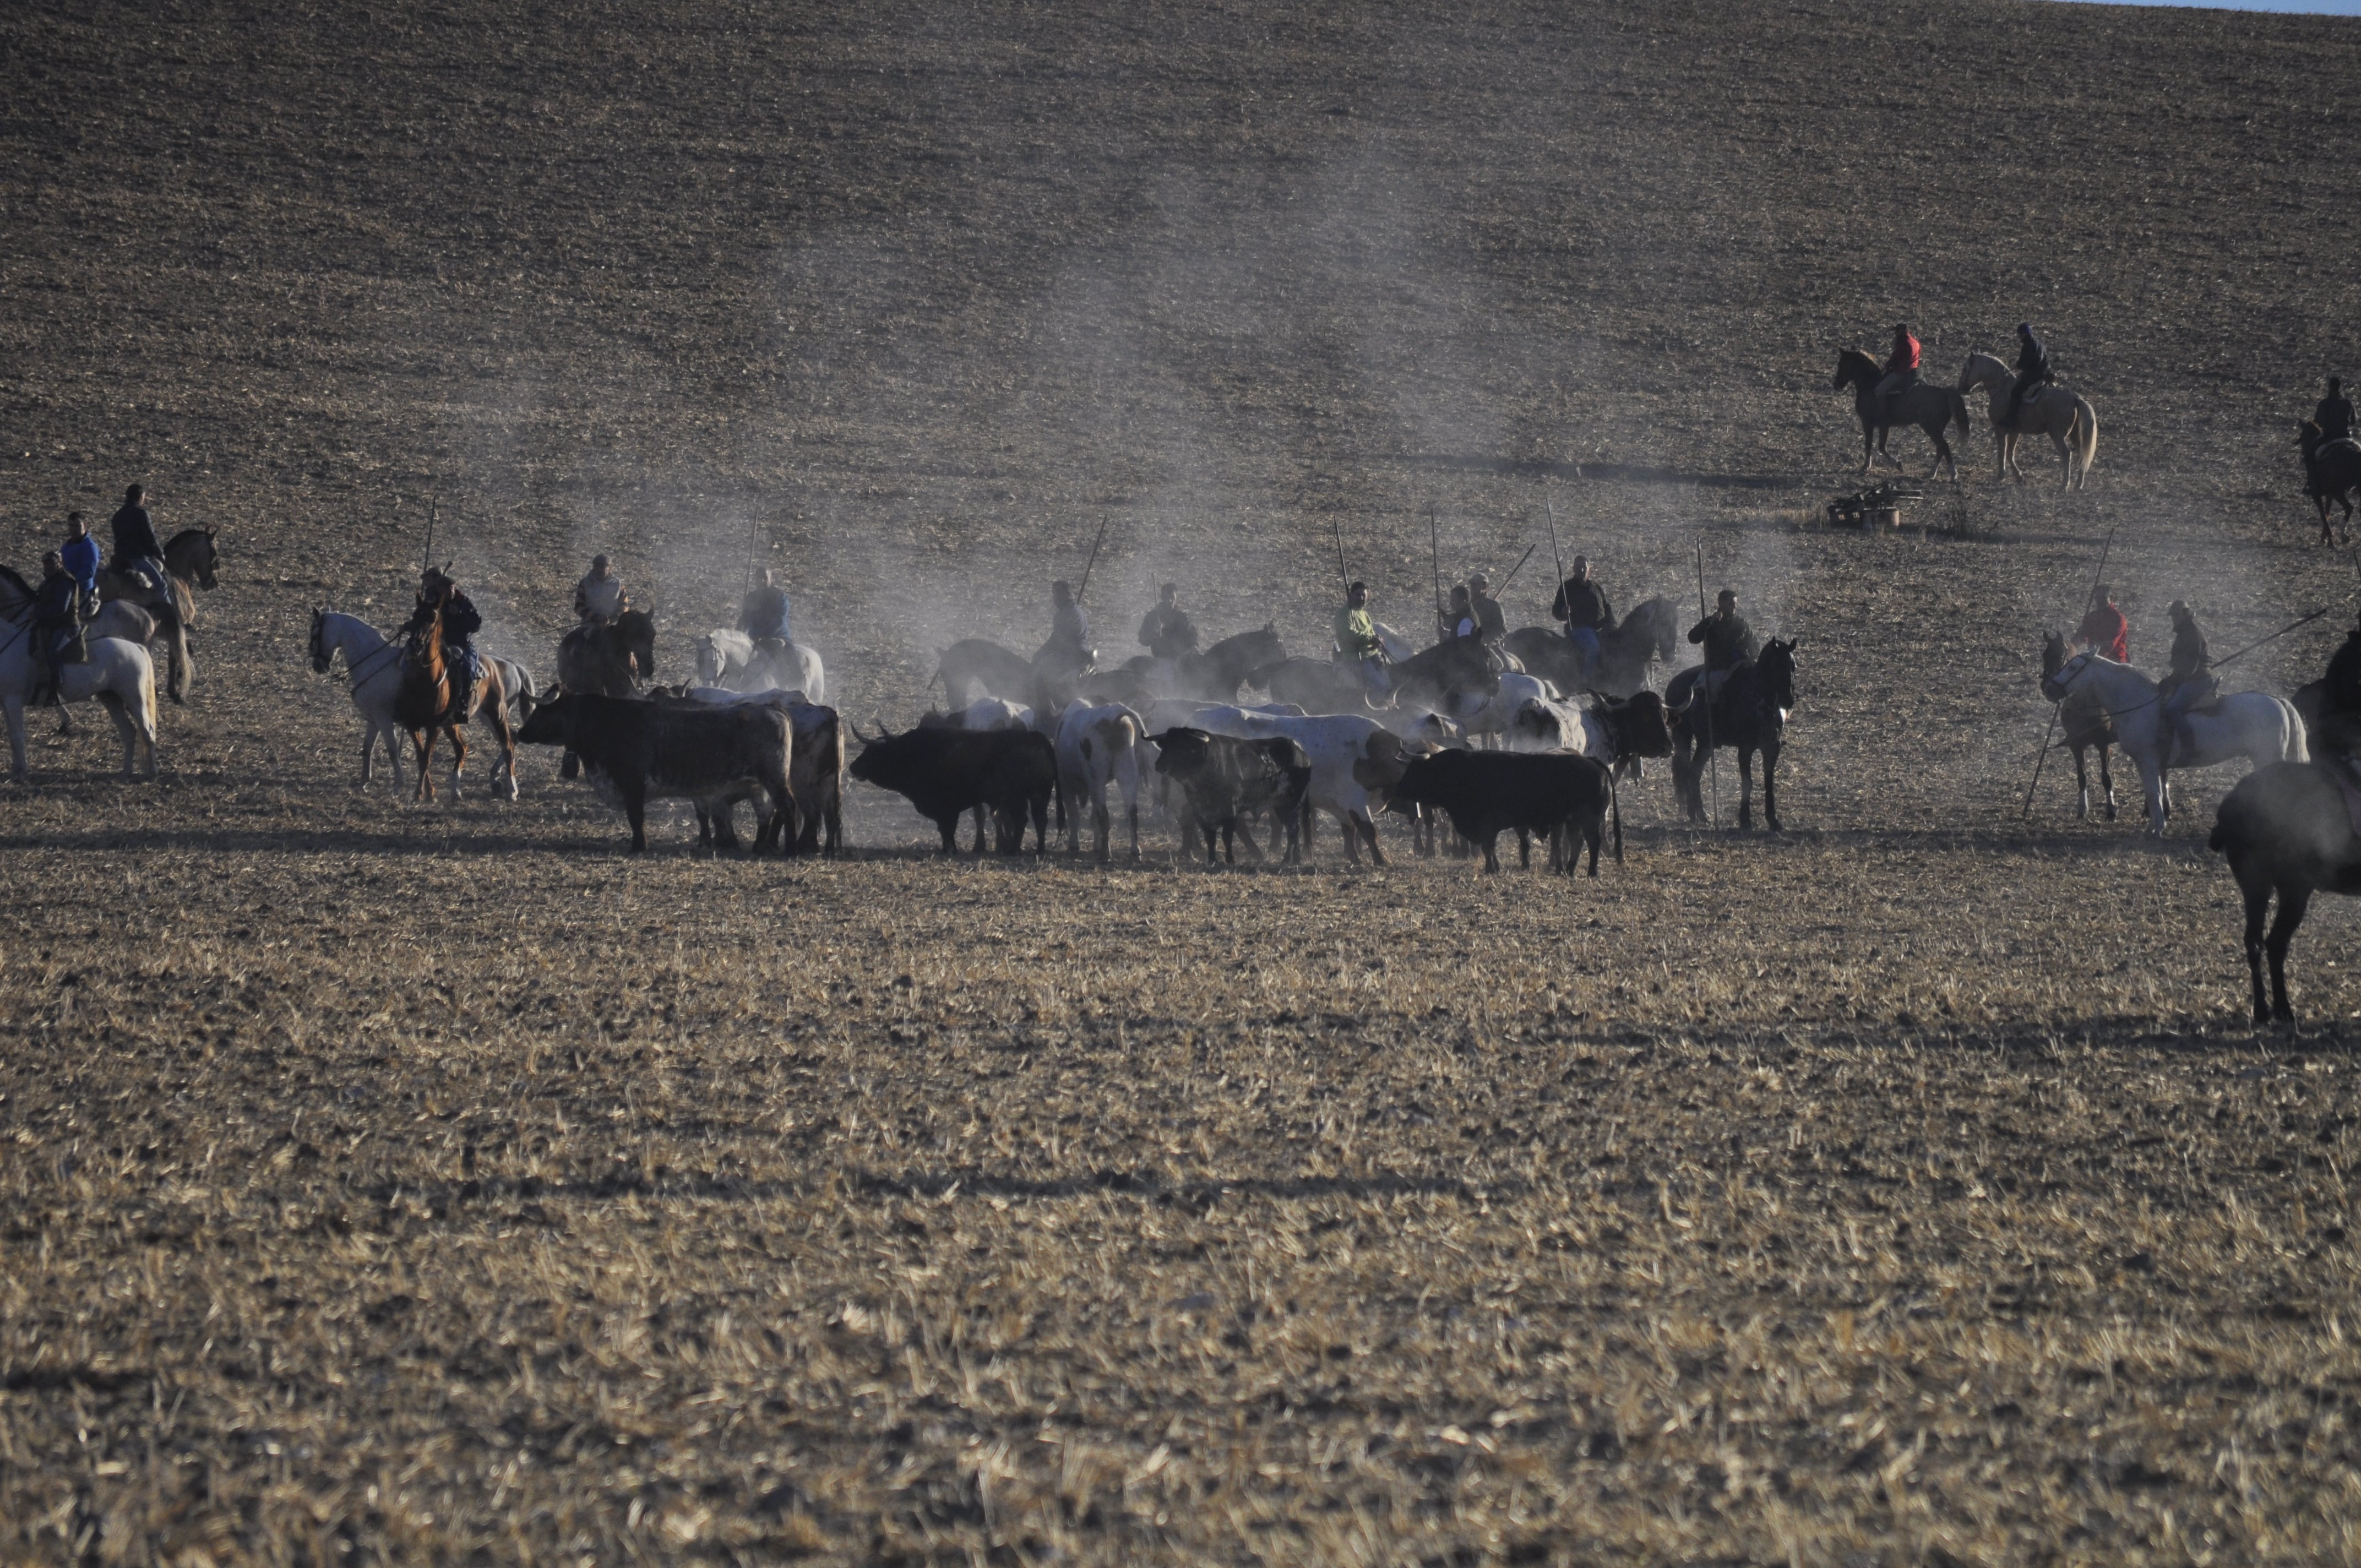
2053	654
2057	682
1775	673
1852	367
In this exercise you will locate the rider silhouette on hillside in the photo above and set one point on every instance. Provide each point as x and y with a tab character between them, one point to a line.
2033	370
2334	414
1901	370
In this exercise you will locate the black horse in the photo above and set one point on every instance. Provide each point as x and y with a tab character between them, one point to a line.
2332	472
2286	830
1432	676
1211	676
1749	715
1649	633
1930	405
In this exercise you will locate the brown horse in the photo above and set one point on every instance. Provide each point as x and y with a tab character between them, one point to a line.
190	557
426	703
2087	727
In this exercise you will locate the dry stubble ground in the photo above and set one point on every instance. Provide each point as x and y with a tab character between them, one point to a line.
414	1184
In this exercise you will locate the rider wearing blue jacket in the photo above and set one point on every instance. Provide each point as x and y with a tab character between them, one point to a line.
80	554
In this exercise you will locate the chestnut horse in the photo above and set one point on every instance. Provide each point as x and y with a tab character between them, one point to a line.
425	704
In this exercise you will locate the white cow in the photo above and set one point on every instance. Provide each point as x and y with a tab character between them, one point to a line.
1493	714
1099	745
1356	762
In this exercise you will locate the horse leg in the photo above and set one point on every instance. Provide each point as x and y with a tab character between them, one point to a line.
2106	781
15	710
368	750
2258	905
458	733
1942	448
422	742
2082	785
1771	787
1745	787
2294	899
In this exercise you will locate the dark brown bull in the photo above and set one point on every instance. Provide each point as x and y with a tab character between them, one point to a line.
645	751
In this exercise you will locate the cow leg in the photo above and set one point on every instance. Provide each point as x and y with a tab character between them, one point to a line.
2294	899
1134	811
635	812
949	828
1524	847
569	765
1352	836
1040	827
1369	830
705	828
725	824
1491	840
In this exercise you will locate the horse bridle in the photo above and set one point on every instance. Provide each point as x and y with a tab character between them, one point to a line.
2080	663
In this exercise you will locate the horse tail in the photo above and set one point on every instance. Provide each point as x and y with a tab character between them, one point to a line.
1959	413
2297	749
2085	434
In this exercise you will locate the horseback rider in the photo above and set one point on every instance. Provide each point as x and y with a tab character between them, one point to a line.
80	553
1729	641
55	625
1901	370
600	597
439	596
2190	681
2033	370
1067	652
2104	630
762	614
138	551
1357	642
1166	630
1582	604
2334	414
1490	624
1460	621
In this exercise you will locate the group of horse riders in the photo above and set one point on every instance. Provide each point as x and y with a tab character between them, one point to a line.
2189	680
66	596
2033	368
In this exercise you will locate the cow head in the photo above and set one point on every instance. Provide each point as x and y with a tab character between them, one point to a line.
1181	753
551	723
1379	766
1639	722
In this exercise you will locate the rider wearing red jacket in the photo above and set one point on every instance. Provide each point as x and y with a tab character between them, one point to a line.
2104	630
1901	365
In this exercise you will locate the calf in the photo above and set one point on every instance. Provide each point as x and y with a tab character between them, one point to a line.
1486	792
1098	746
1354	762
817	773
943	772
1223	779
640	751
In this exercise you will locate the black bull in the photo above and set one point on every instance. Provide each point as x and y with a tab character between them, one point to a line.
943	772
1487	792
645	751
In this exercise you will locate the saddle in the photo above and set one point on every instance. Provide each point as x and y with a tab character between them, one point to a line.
2341	444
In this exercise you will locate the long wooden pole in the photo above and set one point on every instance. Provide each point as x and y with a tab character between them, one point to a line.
1518	567
2057	708
1705	688
1343	576
1434	554
1556	554
433	501
1091	561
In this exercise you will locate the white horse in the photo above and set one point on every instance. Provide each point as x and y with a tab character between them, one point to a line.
732	661
2254	725
373	666
2064	417
119	674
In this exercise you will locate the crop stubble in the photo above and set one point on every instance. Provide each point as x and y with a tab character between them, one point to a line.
423	1184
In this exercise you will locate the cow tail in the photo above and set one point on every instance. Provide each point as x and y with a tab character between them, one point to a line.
1615	810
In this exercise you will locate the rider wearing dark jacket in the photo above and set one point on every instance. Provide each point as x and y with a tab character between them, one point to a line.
53	621
1729	641
2032	368
135	533
2340	701
2335	415
2190	681
437	594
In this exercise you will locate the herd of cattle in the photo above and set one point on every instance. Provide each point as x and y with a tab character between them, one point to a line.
1231	766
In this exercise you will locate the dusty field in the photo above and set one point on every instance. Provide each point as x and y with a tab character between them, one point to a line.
427	1184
